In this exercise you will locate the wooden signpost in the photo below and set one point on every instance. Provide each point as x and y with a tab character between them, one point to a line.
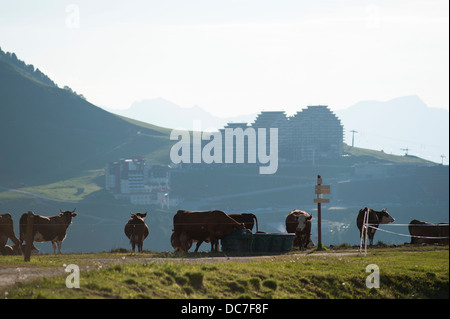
29	237
320	190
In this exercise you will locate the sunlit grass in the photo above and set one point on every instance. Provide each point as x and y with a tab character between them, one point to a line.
417	274
73	189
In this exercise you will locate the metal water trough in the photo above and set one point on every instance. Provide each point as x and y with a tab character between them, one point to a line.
243	241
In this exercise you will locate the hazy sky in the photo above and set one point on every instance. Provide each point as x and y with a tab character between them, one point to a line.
236	56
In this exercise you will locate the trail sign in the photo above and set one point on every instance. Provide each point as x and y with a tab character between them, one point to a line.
320	190
321	200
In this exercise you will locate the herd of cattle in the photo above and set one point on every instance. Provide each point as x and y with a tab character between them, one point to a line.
202	226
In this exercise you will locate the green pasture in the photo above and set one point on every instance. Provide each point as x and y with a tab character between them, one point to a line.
404	273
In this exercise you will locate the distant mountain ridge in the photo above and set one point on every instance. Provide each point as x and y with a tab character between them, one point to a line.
164	113
398	126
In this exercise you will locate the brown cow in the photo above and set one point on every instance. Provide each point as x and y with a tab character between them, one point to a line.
428	233
7	231
175	240
248	219
300	222
52	229
136	230
375	219
209	226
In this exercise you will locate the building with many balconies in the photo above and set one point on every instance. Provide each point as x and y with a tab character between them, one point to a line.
137	180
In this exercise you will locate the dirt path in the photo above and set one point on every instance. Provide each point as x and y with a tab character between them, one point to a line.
10	276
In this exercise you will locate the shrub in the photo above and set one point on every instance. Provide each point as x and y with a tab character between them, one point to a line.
255	282
270	283
235	287
195	279
130	281
180	280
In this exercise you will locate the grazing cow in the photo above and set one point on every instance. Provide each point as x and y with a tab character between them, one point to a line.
438	232
375	219
175	240
176	243
7	231
299	222
136	230
248	219
52	229
200	226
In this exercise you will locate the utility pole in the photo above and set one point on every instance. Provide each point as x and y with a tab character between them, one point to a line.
406	150
353	136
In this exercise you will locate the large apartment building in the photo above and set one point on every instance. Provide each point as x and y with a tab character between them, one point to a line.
312	133
137	180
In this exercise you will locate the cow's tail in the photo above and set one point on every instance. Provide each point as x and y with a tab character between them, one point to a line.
136	235
256	221
132	238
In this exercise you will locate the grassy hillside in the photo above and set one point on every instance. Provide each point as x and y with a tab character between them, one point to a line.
363	154
50	133
414	274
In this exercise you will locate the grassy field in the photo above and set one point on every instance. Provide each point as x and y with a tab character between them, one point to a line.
420	272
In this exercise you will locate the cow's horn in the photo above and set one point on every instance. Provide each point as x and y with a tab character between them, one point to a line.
74	210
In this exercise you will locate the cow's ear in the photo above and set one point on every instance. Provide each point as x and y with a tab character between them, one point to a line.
144	215
309	218
74	214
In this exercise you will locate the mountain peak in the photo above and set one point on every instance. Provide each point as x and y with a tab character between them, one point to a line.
408	101
164	113
396	124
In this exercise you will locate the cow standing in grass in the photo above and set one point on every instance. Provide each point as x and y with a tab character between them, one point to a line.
375	219
248	219
428	233
300	222
201	226
52	229
136	230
